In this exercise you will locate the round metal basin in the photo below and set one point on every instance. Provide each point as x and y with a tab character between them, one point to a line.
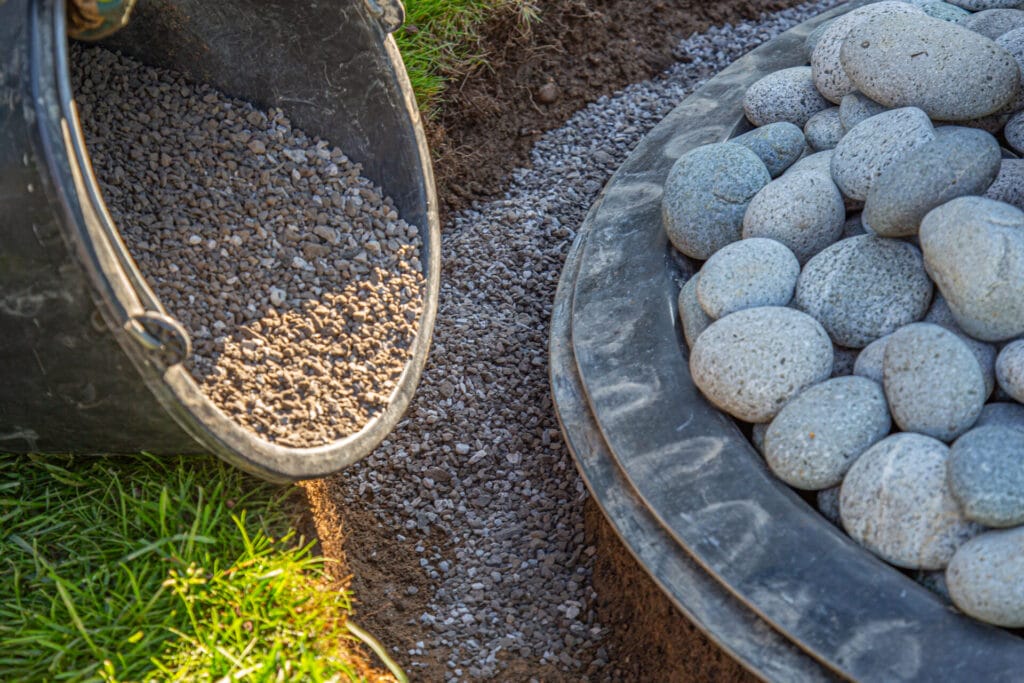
745	557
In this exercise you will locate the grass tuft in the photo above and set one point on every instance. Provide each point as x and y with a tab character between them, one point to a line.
441	39
118	569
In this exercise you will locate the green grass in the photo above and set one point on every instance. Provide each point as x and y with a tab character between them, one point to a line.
441	39
136	569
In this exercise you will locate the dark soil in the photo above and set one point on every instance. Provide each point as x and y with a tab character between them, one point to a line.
380	573
579	51
378	570
649	639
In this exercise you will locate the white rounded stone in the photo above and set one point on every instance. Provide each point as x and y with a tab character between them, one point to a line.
896	503
751	363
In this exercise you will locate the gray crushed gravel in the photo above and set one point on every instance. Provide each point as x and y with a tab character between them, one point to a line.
479	457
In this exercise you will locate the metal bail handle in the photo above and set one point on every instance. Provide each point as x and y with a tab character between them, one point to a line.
390	13
161	335
96	19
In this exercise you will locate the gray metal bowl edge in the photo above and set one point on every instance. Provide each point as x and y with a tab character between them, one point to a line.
694	470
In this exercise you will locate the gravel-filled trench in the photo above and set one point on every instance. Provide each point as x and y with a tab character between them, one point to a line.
475	488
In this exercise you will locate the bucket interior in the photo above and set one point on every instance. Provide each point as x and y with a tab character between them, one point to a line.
322	231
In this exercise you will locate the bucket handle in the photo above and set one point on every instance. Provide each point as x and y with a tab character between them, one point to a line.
390	13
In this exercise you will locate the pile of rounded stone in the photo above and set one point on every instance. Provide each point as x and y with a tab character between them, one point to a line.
864	250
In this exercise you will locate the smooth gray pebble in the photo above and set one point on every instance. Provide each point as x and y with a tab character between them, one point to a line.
803	210
815	438
984	577
966	75
940	314
752	362
784	95
857	107
747	274
691	315
986	475
706	195
1008	187
1014	132
1010	369
827	70
958	162
870	362
993	23
974	251
980	5
1002	413
778	145
945	11
933	381
1013	42
863	288
895	502
874	144
824	130
819	162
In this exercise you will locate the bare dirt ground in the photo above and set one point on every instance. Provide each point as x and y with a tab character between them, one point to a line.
585	49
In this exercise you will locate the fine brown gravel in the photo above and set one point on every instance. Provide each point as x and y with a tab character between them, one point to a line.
295	277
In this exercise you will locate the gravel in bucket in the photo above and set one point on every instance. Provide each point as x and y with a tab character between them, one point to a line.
294	275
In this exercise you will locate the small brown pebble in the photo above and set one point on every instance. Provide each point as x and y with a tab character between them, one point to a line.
548	93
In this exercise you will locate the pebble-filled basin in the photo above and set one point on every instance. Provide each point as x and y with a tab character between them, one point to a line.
747	558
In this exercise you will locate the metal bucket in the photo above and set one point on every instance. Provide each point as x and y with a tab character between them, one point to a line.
90	361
